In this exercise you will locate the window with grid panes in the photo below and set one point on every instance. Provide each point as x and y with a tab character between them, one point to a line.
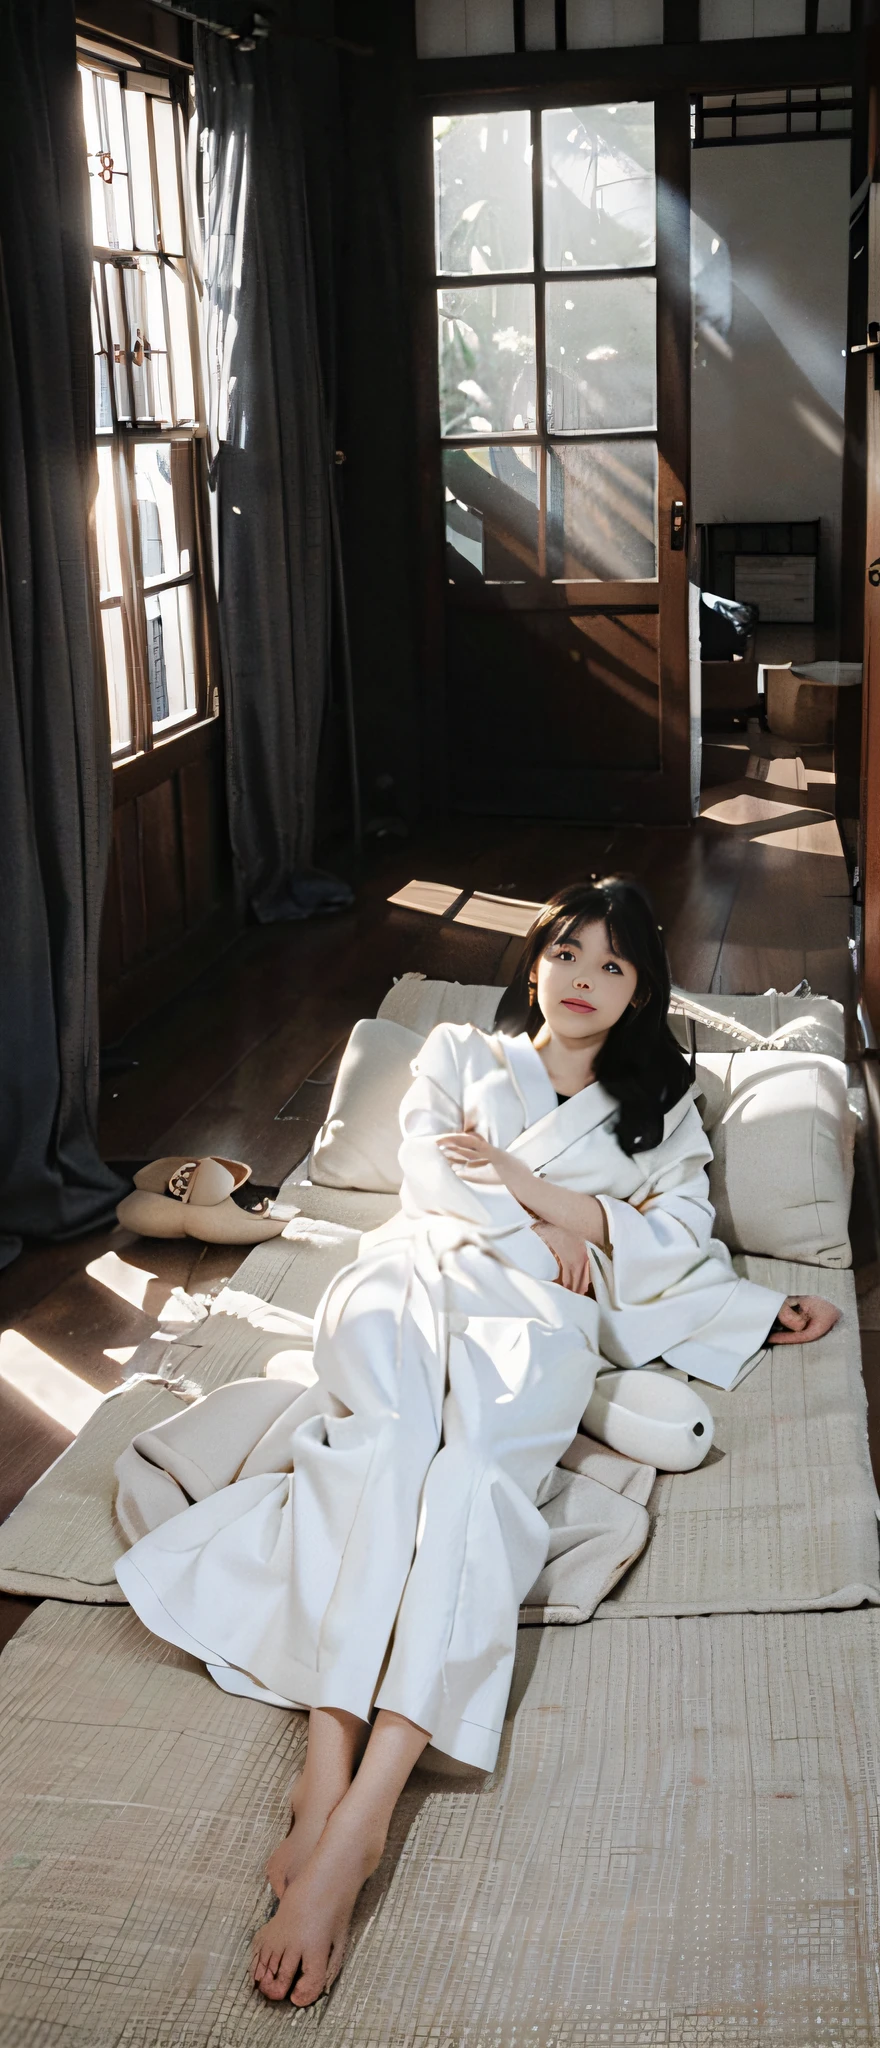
148	412
546	298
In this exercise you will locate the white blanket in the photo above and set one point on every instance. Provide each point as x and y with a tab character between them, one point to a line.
370	1541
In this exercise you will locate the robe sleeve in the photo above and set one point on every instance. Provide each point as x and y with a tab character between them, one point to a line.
432	1104
665	1230
667	1288
432	1187
433	1101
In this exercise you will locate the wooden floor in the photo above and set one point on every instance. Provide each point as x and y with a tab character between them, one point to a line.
754	895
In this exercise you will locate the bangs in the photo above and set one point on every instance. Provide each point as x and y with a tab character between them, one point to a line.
567	924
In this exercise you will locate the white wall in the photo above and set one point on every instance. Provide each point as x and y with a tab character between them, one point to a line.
769	255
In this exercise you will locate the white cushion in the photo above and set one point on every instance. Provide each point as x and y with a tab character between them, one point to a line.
782	1136
358	1142
811	1023
420	1004
805	1023
780	1126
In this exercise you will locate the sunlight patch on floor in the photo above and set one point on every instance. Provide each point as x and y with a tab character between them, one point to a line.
129	1282
435	897
497	913
488	913
820	837
749	810
50	1386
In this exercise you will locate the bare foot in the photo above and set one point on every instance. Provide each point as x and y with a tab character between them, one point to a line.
309	1814
300	1950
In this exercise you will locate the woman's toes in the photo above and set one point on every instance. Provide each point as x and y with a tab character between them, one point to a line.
279	1982
273	1963
312	1981
264	1953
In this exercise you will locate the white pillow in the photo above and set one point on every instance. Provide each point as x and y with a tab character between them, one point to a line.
358	1142
805	1023
780	1126
812	1023
782	1134
420	1004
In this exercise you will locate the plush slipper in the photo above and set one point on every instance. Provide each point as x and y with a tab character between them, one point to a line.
193	1198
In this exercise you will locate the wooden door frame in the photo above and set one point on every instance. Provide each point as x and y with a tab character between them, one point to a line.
680	64
869	808
674	368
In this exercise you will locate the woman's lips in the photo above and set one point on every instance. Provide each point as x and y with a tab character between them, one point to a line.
572	1003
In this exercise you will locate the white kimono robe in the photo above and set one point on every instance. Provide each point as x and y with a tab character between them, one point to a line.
380	1530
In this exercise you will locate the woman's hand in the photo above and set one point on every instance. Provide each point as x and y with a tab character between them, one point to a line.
804	1318
571	1255
468	1151
467	1148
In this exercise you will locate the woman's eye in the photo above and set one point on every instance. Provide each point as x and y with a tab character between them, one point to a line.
611	965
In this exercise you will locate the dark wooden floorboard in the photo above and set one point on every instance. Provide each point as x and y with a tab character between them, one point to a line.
13	1612
29	1441
215	1067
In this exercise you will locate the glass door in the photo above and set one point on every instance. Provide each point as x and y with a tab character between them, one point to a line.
561	249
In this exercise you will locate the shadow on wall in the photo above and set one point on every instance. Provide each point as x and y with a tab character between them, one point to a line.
770	251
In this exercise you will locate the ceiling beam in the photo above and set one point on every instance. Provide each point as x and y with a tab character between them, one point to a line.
740	66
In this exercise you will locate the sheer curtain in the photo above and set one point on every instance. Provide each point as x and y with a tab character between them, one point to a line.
55	790
271	452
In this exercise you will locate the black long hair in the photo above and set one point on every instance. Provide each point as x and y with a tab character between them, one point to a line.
640	1063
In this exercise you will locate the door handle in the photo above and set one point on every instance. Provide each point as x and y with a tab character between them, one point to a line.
866	348
870	347
678	525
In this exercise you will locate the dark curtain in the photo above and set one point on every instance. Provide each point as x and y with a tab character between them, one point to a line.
381	264
54	746
271	448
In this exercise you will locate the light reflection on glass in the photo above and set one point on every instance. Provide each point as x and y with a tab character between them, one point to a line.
108	165
602	511
155	498
109	568
491	498
141	175
601	354
117	678
166	167
482	193
103	405
170	655
600	199
487	359
117	339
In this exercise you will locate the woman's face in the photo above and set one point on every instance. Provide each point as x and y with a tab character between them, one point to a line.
583	986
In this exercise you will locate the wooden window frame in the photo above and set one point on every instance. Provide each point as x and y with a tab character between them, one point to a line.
126	435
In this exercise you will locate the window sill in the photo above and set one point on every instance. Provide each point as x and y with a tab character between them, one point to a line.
136	773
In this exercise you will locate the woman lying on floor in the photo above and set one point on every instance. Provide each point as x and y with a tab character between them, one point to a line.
370	1566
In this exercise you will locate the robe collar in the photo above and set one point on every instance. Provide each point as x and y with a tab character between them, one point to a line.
551	1126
